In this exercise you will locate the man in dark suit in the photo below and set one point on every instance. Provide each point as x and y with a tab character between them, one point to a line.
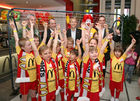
74	32
104	29
52	26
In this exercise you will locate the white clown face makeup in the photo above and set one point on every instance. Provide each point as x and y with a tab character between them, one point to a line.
88	22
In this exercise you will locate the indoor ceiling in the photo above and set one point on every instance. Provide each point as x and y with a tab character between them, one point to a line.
31	3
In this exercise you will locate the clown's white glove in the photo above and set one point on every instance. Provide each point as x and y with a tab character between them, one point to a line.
102	92
76	94
65	97
58	90
83	99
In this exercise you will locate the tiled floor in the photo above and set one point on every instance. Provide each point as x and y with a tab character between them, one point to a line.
133	91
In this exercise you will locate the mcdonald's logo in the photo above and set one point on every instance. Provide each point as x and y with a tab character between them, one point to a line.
95	73
42	71
59	63
71	74
31	62
50	72
118	67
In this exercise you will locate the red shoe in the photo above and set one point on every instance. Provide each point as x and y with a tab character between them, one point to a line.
138	98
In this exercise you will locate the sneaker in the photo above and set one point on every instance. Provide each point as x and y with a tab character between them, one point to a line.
138	98
112	99
116	99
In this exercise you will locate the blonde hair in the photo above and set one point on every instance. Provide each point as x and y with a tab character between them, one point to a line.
118	48
93	39
22	42
43	48
73	18
70	39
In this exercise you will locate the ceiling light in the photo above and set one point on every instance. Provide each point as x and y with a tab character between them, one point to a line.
6	7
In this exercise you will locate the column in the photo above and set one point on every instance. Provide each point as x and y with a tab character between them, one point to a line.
112	11
102	6
132	9
122	6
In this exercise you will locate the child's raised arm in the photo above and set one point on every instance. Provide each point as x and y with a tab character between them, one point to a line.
15	32
83	33
108	38
45	32
78	42
100	38
86	45
130	46
24	24
65	38
111	46
60	35
51	39
62	48
55	41
31	39
32	28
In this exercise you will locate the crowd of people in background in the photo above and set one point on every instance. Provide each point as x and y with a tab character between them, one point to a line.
72	62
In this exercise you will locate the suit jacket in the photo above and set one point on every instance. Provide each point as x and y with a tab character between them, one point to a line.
78	33
78	36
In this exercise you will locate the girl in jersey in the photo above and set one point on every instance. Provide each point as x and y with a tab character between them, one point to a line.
92	70
117	69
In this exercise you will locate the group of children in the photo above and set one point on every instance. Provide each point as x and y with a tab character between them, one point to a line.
46	70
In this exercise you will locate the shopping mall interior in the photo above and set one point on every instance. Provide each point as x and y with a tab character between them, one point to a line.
61	11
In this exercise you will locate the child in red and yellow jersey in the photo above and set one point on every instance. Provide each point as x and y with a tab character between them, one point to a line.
97	43
26	74
68	45
92	72
60	70
72	72
46	70
117	69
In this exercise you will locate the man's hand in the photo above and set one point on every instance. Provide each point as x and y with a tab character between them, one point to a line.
106	26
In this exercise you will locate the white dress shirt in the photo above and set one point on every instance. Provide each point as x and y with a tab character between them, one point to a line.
73	35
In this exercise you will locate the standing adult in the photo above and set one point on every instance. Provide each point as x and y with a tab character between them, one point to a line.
32	19
74	32
136	35
51	28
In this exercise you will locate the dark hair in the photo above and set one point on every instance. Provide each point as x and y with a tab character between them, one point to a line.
74	51
70	39
102	17
36	36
